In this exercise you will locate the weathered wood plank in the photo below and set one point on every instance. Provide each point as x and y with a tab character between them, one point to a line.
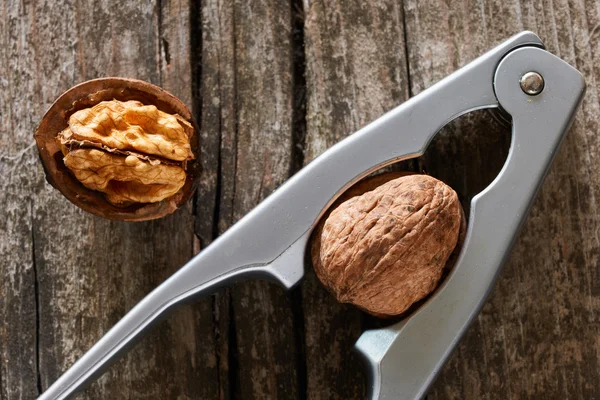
192	328
537	336
264	331
89	271
19	179
247	93
355	71
216	94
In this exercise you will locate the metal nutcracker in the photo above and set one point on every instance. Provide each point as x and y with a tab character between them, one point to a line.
538	90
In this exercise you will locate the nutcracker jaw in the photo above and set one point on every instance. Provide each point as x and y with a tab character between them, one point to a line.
541	93
270	242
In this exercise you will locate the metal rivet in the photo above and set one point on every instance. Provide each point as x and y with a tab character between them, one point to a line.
532	83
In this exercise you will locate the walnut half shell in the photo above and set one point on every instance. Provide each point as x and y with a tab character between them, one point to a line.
385	245
120	148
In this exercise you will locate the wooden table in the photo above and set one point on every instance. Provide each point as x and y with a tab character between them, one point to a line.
273	83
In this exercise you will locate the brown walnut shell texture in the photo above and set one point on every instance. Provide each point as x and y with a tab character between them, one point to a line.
384	245
87	95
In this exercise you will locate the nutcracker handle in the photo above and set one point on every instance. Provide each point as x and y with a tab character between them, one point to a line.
153	308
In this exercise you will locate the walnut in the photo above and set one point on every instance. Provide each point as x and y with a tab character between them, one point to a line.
384	245
125	149
132	126
120	148
124	179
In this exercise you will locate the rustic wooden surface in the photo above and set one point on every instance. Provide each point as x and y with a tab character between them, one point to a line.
273	84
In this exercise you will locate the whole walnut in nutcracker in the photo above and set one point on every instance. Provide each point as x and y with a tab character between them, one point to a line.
120	148
384	245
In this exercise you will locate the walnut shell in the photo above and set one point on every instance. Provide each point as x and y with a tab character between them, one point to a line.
52	135
385	245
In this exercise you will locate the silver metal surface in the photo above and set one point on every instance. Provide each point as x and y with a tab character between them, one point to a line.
270	241
404	359
532	83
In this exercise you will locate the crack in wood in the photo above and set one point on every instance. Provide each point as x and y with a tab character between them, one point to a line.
160	39
216	337
219	181
297	161
236	127
232	355
195	51
406	57
37	304
299	91
165	52
207	235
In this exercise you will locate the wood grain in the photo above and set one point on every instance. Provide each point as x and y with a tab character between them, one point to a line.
192	325
264	330
355	71
247	96
88	272
215	83
19	178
